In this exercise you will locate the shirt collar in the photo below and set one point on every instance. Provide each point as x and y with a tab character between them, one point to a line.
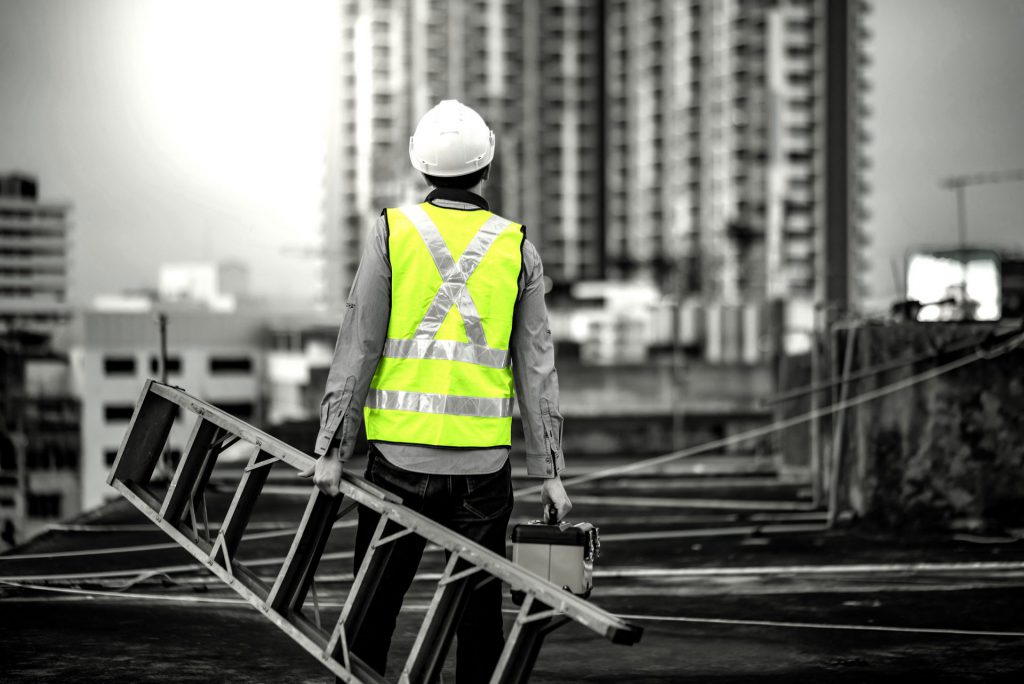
458	195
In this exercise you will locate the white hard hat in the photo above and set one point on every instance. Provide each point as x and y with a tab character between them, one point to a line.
451	140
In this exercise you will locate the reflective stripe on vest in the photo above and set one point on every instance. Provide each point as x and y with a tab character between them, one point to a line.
454	275
447	350
430	388
421	402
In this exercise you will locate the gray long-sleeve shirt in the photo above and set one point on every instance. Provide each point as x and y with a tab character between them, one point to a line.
361	341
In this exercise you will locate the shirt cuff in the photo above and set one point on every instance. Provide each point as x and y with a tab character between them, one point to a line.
323	442
333	415
544	465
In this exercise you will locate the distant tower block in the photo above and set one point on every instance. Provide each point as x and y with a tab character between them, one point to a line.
33	256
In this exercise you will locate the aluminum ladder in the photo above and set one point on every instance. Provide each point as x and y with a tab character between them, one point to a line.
181	513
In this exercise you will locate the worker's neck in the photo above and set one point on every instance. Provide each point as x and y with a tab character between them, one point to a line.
477	189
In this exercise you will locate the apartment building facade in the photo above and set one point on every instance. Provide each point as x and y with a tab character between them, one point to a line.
39	450
217	357
533	70
34	244
734	159
711	147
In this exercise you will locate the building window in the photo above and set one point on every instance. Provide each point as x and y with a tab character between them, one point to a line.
44	505
67	459
230	364
110	455
48	457
8	459
242	410
173	364
118	412
119	365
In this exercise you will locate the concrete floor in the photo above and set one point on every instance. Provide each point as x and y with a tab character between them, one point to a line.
732	576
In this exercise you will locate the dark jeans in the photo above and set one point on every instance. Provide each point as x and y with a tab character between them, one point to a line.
477	507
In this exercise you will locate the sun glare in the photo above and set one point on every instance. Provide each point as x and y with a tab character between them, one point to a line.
237	93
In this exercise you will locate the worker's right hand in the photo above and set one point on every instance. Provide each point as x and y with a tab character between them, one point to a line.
553	493
326	473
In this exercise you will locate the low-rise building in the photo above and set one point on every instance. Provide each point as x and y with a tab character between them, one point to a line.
217	357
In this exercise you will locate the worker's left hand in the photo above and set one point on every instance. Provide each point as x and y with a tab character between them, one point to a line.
552	493
326	473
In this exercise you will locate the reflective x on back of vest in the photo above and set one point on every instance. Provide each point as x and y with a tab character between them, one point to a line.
444	378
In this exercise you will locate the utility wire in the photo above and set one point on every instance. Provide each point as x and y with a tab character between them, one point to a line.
825	625
92	593
797	392
762	431
978	355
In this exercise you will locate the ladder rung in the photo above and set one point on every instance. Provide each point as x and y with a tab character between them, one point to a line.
199	486
365	584
533	623
292	584
441	622
360	669
189	468
144	440
243	502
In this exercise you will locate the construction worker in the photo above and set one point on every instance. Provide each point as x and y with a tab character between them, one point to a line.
445	317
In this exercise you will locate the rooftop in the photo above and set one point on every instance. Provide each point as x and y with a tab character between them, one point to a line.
728	568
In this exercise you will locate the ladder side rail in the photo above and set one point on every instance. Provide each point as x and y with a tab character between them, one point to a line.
360	491
357	667
596	619
271	445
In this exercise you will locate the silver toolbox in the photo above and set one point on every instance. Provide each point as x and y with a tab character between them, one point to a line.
562	553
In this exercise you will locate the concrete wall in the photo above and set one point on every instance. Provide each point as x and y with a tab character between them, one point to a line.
946	453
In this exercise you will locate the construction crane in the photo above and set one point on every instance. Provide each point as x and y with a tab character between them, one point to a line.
960	183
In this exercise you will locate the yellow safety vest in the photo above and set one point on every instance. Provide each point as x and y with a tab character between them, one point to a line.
444	378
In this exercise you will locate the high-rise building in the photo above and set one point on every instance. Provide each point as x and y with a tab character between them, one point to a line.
533	70
553	177
39	449
33	256
711	147
734	137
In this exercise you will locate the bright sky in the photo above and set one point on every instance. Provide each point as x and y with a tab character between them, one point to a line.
192	129
947	98
179	129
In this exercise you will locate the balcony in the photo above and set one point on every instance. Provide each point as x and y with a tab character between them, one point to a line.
33	260
37	282
51	243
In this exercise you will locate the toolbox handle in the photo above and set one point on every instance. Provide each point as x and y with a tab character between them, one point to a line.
550	515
